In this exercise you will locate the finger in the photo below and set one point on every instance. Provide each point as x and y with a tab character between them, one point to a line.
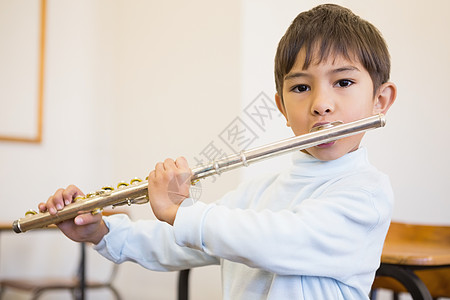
50	206
169	165
42	207
55	202
87	218
151	179
182	163
151	175
159	170
70	193
183	170
159	167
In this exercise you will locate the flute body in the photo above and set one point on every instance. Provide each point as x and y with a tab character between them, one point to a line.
136	192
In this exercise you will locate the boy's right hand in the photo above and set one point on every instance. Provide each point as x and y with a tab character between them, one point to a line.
85	227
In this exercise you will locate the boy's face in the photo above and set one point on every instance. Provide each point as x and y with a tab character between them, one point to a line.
333	90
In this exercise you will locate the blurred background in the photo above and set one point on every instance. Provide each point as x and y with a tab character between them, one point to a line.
128	83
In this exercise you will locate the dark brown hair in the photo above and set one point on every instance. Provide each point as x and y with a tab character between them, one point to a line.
330	29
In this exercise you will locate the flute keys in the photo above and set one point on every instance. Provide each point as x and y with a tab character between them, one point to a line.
135	180
78	198
97	211
30	212
122	184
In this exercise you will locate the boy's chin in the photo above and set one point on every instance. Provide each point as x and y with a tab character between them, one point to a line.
327	152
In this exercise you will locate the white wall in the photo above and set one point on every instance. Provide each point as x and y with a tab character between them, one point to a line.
129	83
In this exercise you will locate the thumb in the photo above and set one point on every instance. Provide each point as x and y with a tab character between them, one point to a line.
87	218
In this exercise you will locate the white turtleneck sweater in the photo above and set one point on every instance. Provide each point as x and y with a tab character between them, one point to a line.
313	232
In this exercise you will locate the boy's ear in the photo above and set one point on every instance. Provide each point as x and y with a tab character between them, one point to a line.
385	97
281	108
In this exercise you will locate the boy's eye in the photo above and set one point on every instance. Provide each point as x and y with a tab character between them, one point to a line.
301	88
344	83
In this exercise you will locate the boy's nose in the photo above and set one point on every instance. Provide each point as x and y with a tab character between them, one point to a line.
322	105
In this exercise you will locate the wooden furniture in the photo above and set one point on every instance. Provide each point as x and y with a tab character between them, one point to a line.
76	284
415	259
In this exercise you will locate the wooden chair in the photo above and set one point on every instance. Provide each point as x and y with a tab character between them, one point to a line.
415	259
76	285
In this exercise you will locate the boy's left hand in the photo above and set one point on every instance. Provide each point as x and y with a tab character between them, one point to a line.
168	186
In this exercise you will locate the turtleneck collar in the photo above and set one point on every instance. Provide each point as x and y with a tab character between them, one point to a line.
307	165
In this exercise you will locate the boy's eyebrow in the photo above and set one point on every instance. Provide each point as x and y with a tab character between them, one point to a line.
345	69
295	75
334	71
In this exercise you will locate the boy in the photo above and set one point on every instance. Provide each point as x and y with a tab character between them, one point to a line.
314	231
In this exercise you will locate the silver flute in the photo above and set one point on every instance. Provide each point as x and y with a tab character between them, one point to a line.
136	191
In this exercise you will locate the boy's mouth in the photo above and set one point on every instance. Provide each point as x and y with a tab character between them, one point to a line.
325	125
326	145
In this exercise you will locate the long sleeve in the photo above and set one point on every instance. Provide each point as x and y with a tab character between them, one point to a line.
148	243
